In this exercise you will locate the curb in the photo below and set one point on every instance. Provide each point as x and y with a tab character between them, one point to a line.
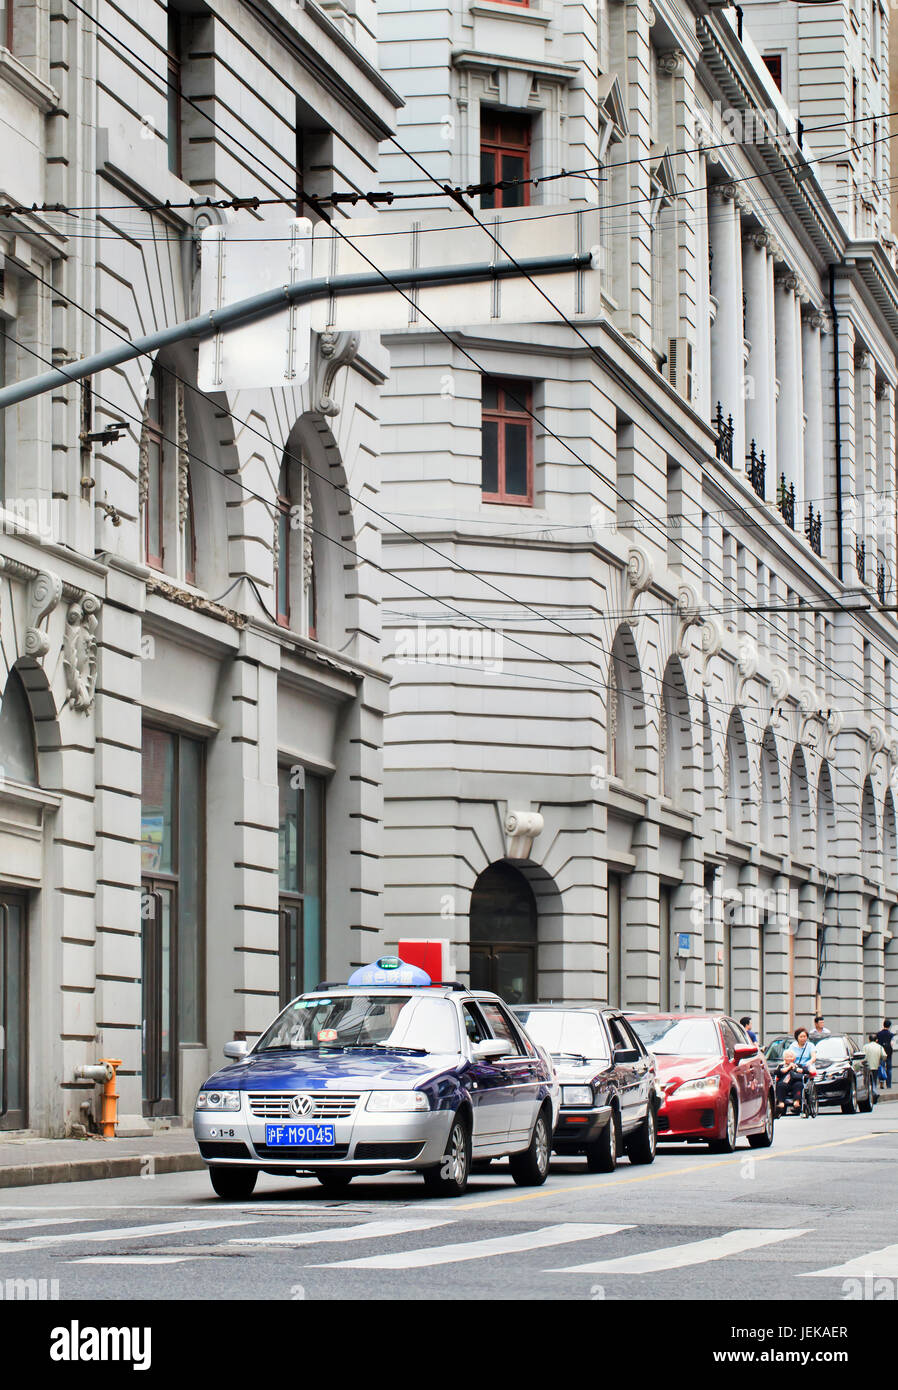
98	1169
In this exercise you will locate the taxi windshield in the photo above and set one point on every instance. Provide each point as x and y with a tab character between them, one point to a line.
678	1037
416	1023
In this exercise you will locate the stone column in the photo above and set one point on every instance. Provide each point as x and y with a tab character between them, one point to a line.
789	444
874	968
885	396
865	476
714	949
812	387
775	1000
773	254
725	224
687	915
640	921
804	955
890	970
745	952
759	332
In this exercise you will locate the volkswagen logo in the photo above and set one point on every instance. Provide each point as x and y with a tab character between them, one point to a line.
301	1105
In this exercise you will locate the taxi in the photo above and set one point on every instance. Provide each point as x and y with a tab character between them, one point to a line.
387	1072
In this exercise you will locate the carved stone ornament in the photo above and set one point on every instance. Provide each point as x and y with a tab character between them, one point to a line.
43	596
759	238
143	459
331	352
788	280
183	457
687	609
79	652
893	751
746	665
833	729
671	61
712	641
640	574
521	829
809	704
307	525
780	683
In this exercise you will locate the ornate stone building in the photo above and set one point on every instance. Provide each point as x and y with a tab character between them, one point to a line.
678	523
189	585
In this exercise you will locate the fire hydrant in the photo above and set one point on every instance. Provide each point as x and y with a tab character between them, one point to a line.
104	1072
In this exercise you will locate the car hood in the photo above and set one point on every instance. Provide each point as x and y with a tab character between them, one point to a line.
306	1071
580	1073
679	1069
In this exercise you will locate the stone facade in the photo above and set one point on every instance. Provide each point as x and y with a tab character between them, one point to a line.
140	609
695	690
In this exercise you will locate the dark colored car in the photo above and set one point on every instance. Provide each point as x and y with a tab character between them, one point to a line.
608	1082
715	1080
843	1076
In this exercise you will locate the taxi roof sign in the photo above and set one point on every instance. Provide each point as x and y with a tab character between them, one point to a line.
390	970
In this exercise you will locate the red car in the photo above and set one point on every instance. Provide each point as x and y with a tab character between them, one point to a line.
715	1080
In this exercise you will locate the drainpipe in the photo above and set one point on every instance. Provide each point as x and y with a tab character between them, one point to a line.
837	418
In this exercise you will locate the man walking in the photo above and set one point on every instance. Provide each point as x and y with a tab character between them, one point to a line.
884	1038
819	1030
875	1055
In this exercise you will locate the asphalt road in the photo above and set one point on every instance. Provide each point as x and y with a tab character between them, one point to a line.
811	1218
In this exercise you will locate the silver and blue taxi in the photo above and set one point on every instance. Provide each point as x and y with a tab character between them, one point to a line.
389	1071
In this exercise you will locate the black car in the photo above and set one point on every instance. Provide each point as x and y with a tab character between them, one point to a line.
609	1098
843	1076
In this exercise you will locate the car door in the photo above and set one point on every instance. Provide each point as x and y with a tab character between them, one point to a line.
488	1087
521	1075
644	1070
746	1072
630	1067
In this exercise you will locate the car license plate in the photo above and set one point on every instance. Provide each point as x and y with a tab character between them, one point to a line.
296	1136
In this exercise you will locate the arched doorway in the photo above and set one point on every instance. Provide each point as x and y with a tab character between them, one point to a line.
504	934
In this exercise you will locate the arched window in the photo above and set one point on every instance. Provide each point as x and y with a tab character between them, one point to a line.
504	934
771	808
295	550
737	788
826	815
674	732
625	710
800	831
18	762
889	844
868	831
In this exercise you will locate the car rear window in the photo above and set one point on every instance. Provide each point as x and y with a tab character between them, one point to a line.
678	1037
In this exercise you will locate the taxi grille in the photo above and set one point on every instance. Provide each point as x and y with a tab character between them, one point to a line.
275	1105
302	1153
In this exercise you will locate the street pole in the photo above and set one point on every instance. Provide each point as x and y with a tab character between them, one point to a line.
270	302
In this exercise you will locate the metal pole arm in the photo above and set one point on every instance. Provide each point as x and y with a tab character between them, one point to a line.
272	301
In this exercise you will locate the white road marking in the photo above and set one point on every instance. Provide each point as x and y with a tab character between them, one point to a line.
371	1230
115	1233
882	1262
133	1259
562	1234
679	1256
43	1221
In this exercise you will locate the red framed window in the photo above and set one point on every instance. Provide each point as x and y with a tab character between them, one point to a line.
505	154
774	65
507	442
154	509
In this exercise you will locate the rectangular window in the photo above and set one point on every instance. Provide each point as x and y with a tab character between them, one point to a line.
774	65
507	441
505	155
301	839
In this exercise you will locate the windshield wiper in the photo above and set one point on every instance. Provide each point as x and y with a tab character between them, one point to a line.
574	1057
392	1047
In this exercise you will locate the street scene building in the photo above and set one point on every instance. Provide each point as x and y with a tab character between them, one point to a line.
571	644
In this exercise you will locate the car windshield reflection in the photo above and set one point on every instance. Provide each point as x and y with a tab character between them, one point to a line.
566	1033
678	1037
376	1020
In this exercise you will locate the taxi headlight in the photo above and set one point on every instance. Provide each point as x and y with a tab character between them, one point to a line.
576	1095
218	1100
396	1102
701	1086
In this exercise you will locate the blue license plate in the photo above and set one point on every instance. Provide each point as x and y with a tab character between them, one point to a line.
298	1136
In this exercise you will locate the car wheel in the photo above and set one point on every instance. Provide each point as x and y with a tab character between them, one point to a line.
765	1138
531	1167
641	1147
334	1182
865	1106
849	1104
449	1177
601	1154
727	1144
233	1183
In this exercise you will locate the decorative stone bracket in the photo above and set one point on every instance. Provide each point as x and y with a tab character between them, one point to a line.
330	352
687	610
43	596
521	829
640	574
79	652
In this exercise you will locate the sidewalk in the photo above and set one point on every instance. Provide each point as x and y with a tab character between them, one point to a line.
27	1162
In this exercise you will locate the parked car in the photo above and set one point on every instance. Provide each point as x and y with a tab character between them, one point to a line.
387	1072
715	1080
608	1082
843	1076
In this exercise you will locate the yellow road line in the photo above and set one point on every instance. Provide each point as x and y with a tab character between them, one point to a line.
730	1161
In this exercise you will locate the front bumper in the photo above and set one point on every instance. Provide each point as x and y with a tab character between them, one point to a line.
364	1142
693	1117
578	1126
832	1090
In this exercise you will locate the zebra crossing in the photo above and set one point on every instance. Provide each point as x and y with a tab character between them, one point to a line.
409	1241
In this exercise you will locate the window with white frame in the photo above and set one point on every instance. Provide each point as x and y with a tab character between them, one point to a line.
168	522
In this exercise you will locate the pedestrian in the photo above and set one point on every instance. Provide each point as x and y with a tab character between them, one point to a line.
819	1029
805	1052
875	1054
884	1038
746	1024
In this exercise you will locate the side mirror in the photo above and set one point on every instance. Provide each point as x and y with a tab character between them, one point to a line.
625	1055
489	1049
743	1051
858	1057
236	1050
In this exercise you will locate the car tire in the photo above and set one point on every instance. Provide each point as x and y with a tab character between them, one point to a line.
233	1184
865	1106
765	1138
849	1104
449	1177
642	1143
530	1168
601	1154
727	1144
334	1182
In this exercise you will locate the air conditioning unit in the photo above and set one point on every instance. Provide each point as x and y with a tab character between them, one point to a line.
679	366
